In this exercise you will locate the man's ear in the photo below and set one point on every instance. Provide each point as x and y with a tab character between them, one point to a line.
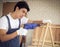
17	8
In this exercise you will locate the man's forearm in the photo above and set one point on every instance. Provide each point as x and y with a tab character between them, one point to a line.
38	22
7	37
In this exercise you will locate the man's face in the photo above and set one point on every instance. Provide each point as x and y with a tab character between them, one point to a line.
21	12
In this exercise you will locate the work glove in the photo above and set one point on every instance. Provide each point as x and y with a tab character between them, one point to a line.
22	31
47	21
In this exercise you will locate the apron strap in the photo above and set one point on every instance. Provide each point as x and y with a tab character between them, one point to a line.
9	22
19	23
9	27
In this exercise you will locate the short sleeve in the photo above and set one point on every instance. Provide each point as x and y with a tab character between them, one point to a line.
3	23
24	20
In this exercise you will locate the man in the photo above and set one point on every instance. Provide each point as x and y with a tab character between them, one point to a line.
10	25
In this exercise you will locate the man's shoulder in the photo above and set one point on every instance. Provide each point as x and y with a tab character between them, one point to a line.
3	18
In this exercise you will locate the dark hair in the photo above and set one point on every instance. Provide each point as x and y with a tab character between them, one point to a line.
22	4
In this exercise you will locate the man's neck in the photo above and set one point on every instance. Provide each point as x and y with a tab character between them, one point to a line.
13	15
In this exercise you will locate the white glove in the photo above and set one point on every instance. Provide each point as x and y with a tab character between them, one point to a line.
47	21
19	31
22	31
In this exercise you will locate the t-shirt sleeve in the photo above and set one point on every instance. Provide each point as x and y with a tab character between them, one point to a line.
3	23
24	20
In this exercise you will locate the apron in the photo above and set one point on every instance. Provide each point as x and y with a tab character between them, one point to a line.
15	42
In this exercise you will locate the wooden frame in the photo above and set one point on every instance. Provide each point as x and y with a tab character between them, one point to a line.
48	26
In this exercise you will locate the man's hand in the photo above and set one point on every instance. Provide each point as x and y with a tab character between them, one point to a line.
47	21
19	31
22	31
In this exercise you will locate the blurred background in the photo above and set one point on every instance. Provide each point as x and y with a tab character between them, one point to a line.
39	9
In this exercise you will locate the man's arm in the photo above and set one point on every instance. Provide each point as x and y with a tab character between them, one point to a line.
40	21
6	37
37	21
25	20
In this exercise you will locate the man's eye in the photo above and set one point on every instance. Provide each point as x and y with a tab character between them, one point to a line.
23	11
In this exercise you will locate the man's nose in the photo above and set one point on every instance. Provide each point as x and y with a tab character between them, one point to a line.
24	14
